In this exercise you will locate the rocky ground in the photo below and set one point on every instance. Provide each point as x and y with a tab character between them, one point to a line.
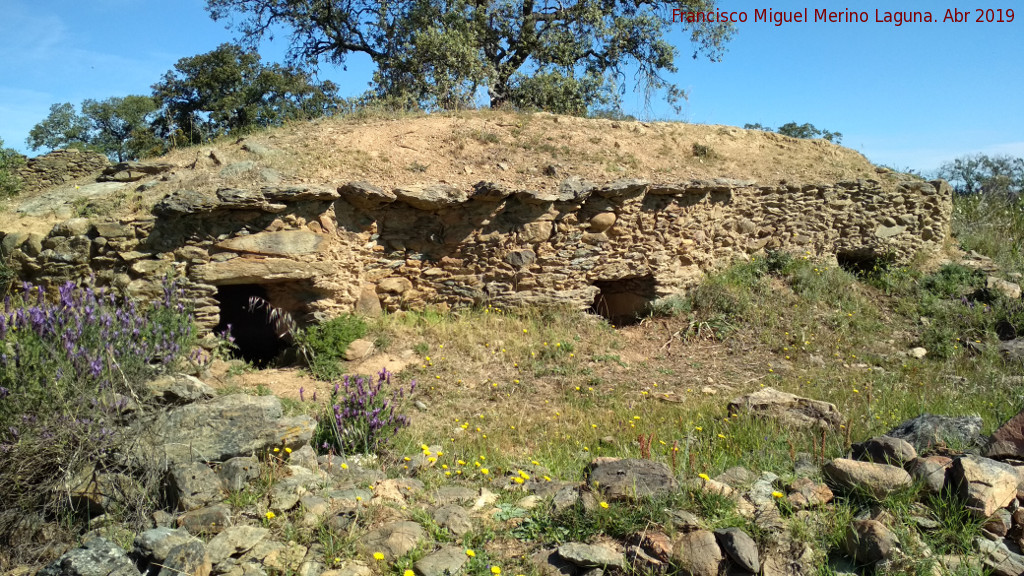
247	495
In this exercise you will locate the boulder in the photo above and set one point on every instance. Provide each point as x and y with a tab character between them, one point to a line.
697	553
1008	440
875	480
602	222
591	555
740	548
930	471
983	484
234	541
631	479
884	450
806	493
453	518
96	557
237	472
223	428
928	430
187	558
998	558
393	540
870	542
153	546
194	485
209	520
788	408
999	286
179	389
448	561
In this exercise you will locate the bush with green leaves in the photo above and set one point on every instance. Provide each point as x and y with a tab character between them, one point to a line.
361	418
10	160
72	369
324	345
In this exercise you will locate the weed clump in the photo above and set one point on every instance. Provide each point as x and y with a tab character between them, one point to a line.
360	418
324	345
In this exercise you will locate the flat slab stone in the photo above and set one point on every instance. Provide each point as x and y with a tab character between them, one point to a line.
788	408
632	479
449	561
258	270
590	555
392	540
50	202
431	196
284	243
226	427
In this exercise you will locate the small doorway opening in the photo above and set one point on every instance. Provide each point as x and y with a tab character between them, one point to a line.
626	300
863	261
253	329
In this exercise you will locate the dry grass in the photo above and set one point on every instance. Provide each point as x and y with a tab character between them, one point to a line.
535	151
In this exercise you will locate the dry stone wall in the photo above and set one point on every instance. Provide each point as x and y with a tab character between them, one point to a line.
59	167
319	251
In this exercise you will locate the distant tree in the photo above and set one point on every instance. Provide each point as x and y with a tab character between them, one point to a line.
118	127
229	90
794	130
980	173
10	160
561	55
63	128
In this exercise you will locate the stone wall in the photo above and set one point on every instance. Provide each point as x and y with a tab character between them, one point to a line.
319	251
60	166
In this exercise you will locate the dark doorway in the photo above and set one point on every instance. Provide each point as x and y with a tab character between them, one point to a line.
863	261
252	328
624	301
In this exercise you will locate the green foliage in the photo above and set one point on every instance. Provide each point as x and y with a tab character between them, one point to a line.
324	345
990	175
230	91
10	160
63	128
571	524
117	127
566	57
794	130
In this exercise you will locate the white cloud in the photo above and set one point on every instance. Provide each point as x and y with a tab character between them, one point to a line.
27	38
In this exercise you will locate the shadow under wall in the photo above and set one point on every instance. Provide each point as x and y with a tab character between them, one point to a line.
254	332
626	300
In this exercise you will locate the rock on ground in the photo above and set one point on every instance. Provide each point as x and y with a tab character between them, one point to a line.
788	408
632	479
875	480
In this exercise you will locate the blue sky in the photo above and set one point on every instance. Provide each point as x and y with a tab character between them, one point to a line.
910	96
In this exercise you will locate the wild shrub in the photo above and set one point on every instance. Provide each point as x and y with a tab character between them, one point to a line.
10	160
71	370
360	417
953	280
324	345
